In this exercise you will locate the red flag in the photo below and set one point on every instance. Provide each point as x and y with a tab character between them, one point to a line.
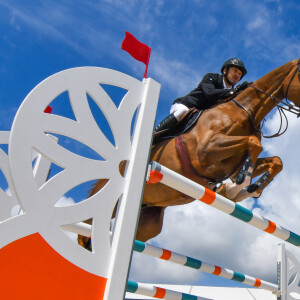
136	49
48	110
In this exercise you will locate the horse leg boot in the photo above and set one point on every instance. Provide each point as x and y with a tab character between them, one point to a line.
254	190
269	167
245	172
260	183
242	180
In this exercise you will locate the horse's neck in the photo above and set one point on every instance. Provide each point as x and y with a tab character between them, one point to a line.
260	104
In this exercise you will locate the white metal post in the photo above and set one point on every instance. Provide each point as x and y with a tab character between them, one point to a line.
130	205
282	272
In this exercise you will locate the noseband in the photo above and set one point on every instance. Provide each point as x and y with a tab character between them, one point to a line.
285	105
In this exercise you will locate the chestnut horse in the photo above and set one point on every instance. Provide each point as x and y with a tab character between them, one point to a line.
225	143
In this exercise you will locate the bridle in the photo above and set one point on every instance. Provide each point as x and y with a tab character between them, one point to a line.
281	105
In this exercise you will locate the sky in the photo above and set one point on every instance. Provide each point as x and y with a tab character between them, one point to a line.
188	39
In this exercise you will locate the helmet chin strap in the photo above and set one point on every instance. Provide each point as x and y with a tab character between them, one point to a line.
227	80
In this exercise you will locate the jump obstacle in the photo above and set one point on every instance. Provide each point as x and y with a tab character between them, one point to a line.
134	287
171	256
182	184
158	292
36	236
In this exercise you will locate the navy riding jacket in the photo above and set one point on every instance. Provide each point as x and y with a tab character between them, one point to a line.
208	92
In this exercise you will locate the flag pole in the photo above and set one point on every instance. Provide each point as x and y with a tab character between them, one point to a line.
146	69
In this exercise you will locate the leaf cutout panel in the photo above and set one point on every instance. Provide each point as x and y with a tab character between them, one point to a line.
77	194
101	120
4	147
293	276
3	180
28	133
54	170
8	198
77	147
115	93
62	107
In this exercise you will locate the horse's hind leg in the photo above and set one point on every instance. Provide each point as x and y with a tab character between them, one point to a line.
150	223
269	167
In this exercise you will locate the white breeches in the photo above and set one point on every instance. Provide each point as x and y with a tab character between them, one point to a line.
178	110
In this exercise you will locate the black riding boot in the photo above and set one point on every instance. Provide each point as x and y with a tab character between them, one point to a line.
167	123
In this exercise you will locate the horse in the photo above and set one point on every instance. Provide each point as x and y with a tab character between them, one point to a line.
225	143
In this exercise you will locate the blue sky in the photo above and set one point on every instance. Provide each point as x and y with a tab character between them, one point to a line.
188	39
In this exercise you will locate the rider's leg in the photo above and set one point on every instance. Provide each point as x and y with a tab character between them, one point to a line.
176	112
167	123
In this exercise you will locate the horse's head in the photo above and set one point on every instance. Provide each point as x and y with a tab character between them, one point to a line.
271	90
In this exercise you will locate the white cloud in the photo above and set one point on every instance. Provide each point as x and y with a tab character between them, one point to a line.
65	201
257	23
177	76
209	235
57	22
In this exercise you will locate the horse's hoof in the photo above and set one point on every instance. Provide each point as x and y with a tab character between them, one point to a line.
241	176
252	188
265	178
256	197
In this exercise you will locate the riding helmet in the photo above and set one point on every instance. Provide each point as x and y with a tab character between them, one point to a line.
234	62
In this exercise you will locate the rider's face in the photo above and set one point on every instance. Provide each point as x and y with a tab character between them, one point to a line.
234	75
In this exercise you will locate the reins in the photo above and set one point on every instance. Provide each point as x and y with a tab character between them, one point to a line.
249	114
285	102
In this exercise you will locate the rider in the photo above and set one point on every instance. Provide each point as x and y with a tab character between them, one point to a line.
213	87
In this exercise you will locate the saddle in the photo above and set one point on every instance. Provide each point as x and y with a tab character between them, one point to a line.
186	123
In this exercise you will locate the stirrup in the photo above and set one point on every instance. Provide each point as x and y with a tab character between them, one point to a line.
241	176
265	178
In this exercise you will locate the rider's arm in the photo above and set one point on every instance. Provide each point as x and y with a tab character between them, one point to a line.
211	88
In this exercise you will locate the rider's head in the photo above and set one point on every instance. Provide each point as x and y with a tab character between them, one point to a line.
233	70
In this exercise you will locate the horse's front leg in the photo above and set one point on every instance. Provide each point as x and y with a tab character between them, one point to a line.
232	190
269	167
250	145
